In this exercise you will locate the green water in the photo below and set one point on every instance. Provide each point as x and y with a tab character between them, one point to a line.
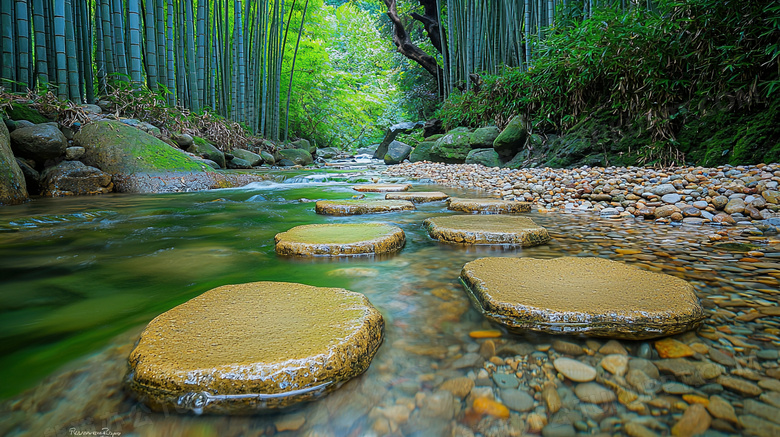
79	278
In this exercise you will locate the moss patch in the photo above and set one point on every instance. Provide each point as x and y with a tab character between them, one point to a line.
19	111
340	239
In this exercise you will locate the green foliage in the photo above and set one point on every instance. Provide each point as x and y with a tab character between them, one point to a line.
653	70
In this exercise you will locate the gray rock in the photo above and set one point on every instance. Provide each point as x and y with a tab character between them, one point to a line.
735	206
297	156
268	158
252	158
517	400
484	137
72	178
304	144
664	189
74	153
397	152
13	187
184	141
559	430
328	152
486	157
31	176
671	198
237	163
208	151
719	202
39	142
505	380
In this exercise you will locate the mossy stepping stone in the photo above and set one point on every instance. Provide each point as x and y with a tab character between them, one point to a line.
382	188
590	296
487	206
340	239
240	349
361	206
418	196
492	229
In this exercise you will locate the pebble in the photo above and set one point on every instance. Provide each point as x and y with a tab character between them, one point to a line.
551	399
559	430
615	364
613	347
459	387
762	410
594	393
574	370
567	348
722	409
290	422
694	421
489	407
739	385
721	357
505	380
676	388
671	348
635	429
489	333
517	400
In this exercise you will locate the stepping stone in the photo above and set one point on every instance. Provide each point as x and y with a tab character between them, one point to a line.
418	196
590	296
382	188
340	239
248	348
488	206
361	206
493	229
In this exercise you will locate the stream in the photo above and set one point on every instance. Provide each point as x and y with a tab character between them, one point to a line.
81	277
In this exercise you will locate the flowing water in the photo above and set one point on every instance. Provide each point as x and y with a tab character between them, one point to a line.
80	278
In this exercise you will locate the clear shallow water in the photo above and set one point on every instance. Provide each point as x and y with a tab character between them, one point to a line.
80	277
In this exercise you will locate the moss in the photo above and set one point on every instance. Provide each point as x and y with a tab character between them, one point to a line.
20	111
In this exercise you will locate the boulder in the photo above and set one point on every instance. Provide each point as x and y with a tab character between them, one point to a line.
433	127
340	239
74	153
580	295
418	196
13	188
252	158
392	133
487	206
422	152
206	150
495	229
39	142
360	206
73	178
273	345
268	158
328	152
24	112
297	156
303	144
31	176
397	152
141	163
512	138
452	148
486	157
238	164
185	141
484	137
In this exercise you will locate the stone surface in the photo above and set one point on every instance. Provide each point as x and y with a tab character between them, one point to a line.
246	360
418	196
73	178
517	400
694	421
13	188
340	239
594	393
487	206
382	188
206	150
357	206
739	385
671	348
297	156
486	157
494	229
396	153
512	138
252	158
615	364
720	408
591	296
459	387
39	142
575	370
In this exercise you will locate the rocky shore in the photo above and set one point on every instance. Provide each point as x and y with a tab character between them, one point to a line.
724	195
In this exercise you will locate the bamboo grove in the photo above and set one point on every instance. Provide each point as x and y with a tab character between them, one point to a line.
225	55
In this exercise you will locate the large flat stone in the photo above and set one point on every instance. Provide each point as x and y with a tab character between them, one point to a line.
360	206
418	196
492	229
382	188
487	206
590	296
340	239
240	349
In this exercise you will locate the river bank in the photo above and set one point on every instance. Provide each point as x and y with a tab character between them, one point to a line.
726	195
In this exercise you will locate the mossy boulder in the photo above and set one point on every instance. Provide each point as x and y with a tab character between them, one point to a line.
340	239
360	206
207	150
484	137
249	348
486	157
20	111
303	144
268	158
590	296
297	156
13	188
139	162
397	152
496	229
418	196
252	158
512	138
487	206
422	152
452	148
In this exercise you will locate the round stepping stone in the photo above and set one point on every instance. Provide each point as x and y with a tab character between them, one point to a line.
488	206
418	196
590	296
382	188
361	206
240	349
493	229
340	239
